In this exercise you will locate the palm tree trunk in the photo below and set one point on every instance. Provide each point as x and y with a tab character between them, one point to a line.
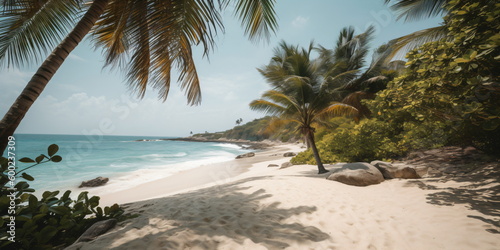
35	86
312	143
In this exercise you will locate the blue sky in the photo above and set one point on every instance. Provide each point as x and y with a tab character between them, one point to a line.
83	98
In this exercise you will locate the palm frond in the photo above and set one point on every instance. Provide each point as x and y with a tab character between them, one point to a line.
351	49
354	100
258	17
109	32
189	76
337	109
284	100
267	107
412	10
402	45
30	29
155	36
140	61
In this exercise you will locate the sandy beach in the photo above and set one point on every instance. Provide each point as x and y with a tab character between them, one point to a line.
244	204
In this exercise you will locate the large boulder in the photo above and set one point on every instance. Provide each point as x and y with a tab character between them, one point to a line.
357	174
391	171
99	181
247	155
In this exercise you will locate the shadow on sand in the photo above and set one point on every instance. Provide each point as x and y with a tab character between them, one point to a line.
200	218
479	190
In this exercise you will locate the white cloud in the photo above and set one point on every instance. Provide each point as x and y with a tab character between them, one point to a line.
76	58
300	22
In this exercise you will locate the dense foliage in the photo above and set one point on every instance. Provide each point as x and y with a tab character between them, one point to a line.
47	222
449	94
453	84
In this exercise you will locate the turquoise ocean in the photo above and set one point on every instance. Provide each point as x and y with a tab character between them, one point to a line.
130	159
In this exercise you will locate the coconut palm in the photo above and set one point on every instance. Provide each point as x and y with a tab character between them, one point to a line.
348	57
300	93
146	38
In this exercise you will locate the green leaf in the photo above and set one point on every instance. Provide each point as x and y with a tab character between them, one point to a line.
48	194
66	195
52	150
39	158
56	158
44	209
27	177
99	211
47	234
61	210
33	202
462	60
94	201
83	196
26	160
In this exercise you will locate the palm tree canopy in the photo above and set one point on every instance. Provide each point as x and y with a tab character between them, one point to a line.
31	29
299	89
146	38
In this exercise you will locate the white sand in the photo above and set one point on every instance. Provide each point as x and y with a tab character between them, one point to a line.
292	208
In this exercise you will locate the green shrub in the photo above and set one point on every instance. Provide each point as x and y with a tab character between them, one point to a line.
454	80
372	139
50	221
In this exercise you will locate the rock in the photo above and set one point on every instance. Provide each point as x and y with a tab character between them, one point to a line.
422	171
272	166
99	181
471	151
357	174
247	155
398	170
404	171
286	165
289	154
97	229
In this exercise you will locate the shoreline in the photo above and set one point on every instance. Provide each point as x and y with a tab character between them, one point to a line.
193	178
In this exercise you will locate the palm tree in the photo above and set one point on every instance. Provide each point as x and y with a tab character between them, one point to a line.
300	93
349	58
146	38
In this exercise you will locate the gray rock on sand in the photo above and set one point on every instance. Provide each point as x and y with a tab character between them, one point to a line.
357	174
289	154
272	165
97	229
247	155
391	171
99	181
286	164
94	231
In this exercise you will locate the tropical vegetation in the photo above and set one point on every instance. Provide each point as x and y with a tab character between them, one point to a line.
47	222
147	39
300	92
448	94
